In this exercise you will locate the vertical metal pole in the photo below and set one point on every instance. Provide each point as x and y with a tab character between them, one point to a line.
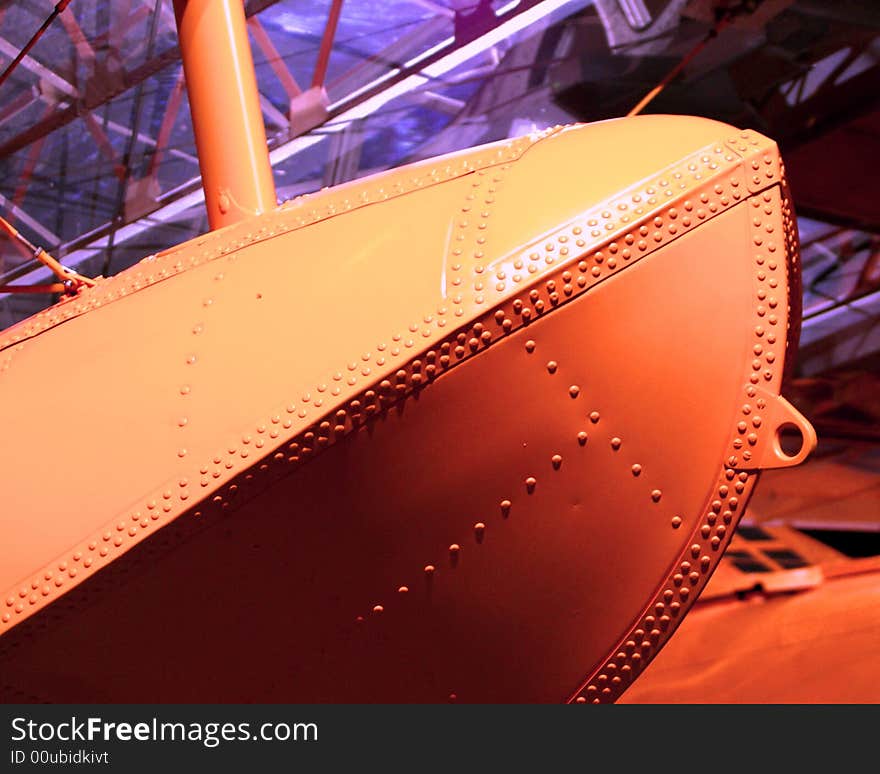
225	106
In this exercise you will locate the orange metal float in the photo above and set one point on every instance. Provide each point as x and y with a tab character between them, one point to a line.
477	428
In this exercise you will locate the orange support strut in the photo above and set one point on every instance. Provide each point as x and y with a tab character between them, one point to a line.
225	106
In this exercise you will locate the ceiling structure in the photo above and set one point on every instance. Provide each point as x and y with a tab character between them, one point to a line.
99	165
98	157
95	134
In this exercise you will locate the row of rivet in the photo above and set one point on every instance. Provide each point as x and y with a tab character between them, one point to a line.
530	483
469	339
643	205
763	167
464	343
769	323
324	204
712	535
692	569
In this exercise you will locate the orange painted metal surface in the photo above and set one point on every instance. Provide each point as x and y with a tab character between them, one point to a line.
226	115
476	429
774	650
806	633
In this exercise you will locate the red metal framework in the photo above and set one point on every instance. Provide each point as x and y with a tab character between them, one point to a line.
364	80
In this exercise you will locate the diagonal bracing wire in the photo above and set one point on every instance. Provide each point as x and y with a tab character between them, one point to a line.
56	11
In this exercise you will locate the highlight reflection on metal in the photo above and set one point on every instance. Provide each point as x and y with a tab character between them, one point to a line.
480	427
